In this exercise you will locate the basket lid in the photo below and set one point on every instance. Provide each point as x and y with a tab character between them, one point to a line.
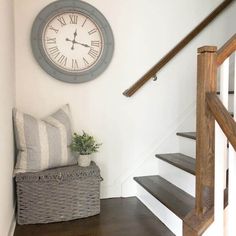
60	174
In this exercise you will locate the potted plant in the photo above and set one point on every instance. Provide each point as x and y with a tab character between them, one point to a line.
84	145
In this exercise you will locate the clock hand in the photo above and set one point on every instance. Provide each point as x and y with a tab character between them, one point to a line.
69	40
75	34
83	44
75	42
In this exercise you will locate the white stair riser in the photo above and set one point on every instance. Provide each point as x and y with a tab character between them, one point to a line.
178	177
173	222
187	146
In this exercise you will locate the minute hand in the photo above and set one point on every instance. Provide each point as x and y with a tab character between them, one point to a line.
83	44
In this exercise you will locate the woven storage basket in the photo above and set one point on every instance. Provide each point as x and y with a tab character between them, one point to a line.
58	194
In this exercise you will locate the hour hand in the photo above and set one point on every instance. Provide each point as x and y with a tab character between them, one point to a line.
69	40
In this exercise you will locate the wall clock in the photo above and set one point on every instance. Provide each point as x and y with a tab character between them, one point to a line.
72	41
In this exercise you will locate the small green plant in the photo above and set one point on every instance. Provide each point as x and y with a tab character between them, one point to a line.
84	144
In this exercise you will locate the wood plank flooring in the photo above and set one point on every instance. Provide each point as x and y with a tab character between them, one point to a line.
119	217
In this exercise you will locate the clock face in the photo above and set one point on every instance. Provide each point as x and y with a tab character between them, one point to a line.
72	41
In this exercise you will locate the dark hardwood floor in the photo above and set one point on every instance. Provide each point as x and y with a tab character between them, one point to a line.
119	217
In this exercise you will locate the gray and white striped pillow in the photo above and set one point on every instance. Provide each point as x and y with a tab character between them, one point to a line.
43	144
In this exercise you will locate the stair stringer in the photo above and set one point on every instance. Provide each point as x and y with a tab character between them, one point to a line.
148	165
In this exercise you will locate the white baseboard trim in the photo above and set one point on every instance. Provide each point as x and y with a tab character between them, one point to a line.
108	191
13	224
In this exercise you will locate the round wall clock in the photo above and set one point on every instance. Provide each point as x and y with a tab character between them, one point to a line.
72	41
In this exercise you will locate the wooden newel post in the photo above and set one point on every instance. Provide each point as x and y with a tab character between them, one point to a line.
205	143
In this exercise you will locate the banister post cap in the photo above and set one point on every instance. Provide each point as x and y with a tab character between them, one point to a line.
210	49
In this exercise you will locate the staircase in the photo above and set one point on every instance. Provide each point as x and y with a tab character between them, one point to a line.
156	190
192	188
171	204
171	194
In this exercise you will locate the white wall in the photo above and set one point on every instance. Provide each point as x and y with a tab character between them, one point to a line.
7	98
131	129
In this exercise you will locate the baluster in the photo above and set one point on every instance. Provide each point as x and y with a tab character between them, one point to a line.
220	144
224	83
221	154
224	97
231	212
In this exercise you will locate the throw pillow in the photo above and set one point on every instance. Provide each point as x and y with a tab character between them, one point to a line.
43	144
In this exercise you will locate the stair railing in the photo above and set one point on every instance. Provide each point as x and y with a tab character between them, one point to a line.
215	126
173	52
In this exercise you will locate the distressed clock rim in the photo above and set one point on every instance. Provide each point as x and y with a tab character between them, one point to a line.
36	43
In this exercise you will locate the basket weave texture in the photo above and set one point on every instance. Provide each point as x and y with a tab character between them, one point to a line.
59	194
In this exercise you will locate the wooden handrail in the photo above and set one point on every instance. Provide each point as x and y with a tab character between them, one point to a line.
153	71
226	50
223	117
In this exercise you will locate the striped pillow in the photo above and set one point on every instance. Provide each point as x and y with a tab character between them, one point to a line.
43	144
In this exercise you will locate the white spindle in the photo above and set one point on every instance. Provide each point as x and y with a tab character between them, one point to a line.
220	146
221	154
231	212
224	97
224	83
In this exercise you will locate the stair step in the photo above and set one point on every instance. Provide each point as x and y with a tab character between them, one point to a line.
230	92
175	199
179	160
191	135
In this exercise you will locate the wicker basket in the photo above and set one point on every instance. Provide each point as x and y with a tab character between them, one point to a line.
58	194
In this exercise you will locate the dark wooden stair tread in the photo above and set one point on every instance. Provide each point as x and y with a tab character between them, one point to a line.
191	135
230	92
179	160
175	199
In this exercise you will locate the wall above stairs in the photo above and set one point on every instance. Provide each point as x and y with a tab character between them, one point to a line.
131	130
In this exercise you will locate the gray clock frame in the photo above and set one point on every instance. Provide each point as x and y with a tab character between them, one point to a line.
62	6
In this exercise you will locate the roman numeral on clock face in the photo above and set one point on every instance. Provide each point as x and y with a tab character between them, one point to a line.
95	43
85	62
62	60
54	51
84	22
73	19
92	31
62	21
51	40
53	29
75	64
93	53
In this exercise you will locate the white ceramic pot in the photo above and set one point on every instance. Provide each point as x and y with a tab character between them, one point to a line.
84	160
